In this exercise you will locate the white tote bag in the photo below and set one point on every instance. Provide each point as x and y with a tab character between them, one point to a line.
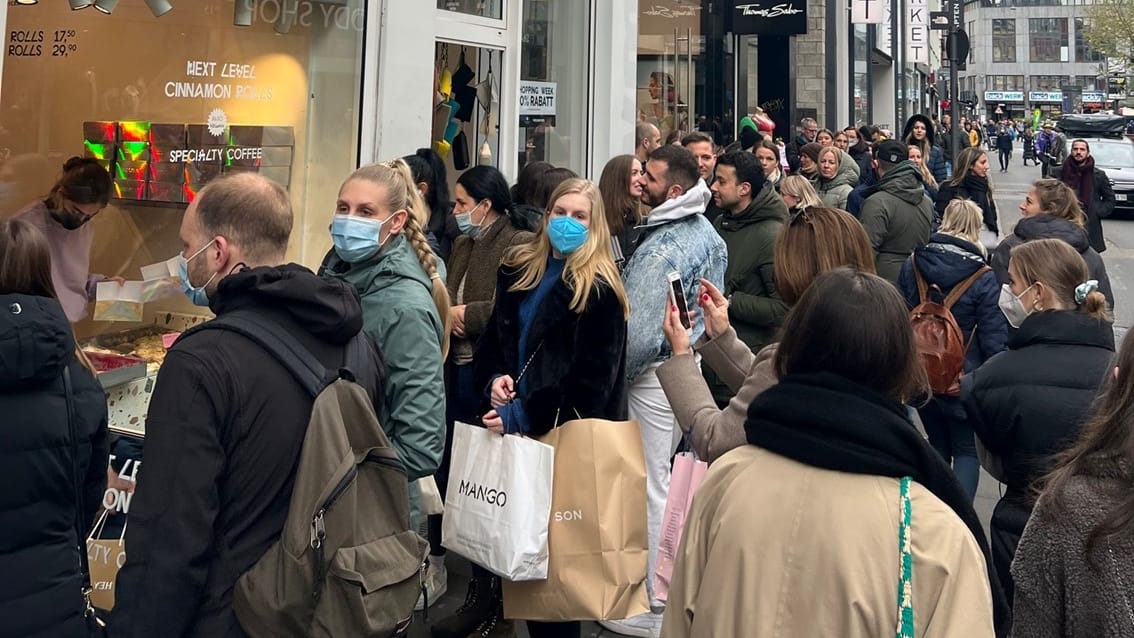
498	502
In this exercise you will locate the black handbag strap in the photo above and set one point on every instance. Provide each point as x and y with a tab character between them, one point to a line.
77	482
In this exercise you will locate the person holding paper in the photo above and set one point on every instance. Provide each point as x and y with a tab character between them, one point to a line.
80	193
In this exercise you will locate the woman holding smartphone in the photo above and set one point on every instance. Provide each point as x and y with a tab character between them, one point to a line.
555	346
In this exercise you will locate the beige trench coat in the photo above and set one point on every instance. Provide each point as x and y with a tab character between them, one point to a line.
776	549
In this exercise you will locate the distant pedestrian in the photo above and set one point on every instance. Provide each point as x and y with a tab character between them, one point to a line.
835	481
1074	563
1004	143
1052	149
919	132
1027	404
1092	189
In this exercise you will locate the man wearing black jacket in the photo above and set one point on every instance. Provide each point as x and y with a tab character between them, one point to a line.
1092	189
226	421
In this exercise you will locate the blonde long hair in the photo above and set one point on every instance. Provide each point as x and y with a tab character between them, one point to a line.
590	263
800	188
1058	200
402	194
963	220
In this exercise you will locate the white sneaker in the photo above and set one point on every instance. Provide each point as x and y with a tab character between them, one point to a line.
436	583
647	625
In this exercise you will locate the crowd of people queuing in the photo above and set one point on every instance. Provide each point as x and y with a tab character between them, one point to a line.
796	376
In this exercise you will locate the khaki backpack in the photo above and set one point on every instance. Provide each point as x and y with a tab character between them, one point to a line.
940	343
347	563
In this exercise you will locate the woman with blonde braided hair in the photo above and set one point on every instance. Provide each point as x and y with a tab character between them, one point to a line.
381	250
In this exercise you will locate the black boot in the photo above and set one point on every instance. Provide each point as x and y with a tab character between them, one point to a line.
494	626
481	603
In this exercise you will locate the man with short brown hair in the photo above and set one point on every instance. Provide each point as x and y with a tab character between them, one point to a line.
226	421
1092	189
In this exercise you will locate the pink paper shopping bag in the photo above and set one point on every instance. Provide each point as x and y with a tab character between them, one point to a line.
688	473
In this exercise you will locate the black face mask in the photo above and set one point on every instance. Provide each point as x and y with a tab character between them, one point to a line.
70	219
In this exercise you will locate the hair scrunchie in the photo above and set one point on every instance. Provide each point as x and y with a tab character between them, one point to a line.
1084	289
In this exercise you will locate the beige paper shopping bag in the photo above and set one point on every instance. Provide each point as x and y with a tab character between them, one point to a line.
597	541
104	558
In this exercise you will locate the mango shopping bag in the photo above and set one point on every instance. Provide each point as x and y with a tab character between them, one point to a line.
498	502
688	473
597	533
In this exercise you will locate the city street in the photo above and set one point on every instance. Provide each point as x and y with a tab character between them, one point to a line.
1009	190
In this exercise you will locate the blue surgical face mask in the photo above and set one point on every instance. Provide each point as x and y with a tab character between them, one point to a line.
196	294
465	223
566	234
356	239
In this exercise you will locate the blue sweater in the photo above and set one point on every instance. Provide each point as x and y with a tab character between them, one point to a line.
513	414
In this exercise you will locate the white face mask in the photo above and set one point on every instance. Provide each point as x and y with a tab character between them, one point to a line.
1010	304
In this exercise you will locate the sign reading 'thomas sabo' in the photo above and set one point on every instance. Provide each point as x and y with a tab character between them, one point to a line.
771	17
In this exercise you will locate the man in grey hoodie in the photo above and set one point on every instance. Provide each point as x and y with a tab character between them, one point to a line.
897	215
677	237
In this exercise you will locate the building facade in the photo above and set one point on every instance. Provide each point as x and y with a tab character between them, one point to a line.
1031	54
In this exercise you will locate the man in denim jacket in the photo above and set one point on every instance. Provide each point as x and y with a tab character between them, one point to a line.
677	237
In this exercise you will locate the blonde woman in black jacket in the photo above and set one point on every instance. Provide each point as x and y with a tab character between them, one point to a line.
46	468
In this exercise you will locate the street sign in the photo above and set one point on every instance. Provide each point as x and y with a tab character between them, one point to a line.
939	20
957	47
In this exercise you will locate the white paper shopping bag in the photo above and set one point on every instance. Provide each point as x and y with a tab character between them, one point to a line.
498	502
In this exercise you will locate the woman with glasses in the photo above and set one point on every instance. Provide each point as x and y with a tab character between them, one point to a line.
80	193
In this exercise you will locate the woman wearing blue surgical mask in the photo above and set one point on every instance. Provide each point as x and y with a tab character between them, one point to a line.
490	224
381	250
1026	404
555	348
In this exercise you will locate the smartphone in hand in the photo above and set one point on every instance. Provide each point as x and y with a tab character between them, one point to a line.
677	298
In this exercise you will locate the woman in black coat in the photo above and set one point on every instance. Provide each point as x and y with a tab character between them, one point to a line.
43	525
555	347
970	181
1028	403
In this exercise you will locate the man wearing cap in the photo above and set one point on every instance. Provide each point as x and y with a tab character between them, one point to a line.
897	215
1051	148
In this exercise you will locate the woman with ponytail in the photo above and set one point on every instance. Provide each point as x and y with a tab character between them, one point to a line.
1027	404
380	249
433	184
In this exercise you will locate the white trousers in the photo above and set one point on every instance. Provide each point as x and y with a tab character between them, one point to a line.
660	437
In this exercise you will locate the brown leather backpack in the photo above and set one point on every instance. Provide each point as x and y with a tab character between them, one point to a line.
940	343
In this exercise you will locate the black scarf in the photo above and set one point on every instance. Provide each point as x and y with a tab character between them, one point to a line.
1080	176
826	421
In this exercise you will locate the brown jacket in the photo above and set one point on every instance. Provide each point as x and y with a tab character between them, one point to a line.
715	431
1061	591
778	549
477	261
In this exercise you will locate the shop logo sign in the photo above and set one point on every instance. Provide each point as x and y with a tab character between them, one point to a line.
217	122
759	18
658	11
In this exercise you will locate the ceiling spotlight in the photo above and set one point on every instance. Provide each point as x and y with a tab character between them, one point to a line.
159	7
288	11
106	6
80	4
242	13
27	1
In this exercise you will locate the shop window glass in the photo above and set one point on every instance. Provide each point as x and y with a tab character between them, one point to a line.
168	103
1048	39
553	83
483	8
1048	82
1004	40
1083	50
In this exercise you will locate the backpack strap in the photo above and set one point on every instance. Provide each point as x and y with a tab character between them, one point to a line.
963	287
281	344
922	287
